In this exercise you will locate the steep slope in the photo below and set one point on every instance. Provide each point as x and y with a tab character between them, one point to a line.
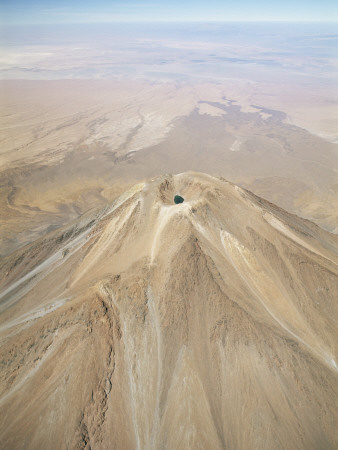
208	324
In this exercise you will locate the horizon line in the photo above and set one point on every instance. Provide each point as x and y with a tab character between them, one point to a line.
133	21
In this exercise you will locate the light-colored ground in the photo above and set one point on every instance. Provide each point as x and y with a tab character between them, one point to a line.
71	145
209	324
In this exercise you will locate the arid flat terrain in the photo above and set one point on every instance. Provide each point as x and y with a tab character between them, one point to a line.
68	146
209	324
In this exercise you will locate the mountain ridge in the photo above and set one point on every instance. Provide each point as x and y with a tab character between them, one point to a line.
206	324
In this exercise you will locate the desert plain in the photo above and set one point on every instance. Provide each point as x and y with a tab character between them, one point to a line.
81	123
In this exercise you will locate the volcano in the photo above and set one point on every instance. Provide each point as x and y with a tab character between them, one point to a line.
208	324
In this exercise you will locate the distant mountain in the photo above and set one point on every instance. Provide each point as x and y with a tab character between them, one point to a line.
153	325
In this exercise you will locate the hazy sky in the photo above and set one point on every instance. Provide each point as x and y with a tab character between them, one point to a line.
90	11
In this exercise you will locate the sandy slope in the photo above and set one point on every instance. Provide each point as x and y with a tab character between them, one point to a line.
209	324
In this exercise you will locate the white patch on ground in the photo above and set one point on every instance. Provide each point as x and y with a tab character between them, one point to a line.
278	225
27	282
143	361
264	115
51	349
202	230
106	238
164	216
154	129
124	197
236	146
35	314
129	356
156	322
210	110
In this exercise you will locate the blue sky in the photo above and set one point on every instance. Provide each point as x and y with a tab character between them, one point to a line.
86	11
